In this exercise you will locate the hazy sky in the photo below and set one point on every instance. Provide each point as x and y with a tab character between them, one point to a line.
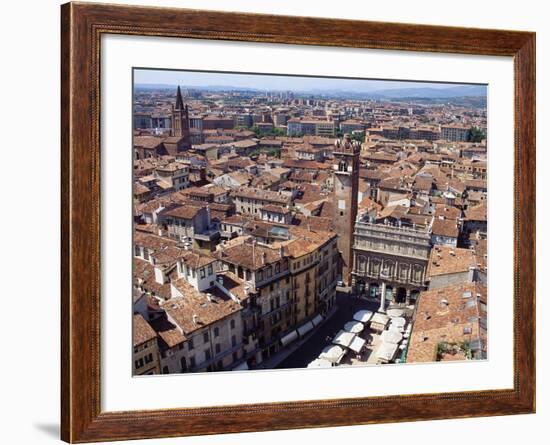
270	82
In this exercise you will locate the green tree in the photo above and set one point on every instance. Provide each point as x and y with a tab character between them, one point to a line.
476	135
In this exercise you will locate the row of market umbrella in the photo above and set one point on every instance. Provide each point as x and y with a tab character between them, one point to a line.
346	339
391	338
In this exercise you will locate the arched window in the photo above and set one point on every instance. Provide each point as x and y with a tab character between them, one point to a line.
361	263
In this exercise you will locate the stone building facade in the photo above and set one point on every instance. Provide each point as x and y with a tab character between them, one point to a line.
390	261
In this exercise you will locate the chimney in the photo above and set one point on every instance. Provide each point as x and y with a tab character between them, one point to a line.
195	319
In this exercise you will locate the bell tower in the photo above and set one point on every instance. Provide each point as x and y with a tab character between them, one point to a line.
180	121
346	186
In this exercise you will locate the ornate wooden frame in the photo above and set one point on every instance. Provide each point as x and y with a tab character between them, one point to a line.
81	27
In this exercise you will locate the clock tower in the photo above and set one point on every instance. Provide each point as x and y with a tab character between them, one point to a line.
346	186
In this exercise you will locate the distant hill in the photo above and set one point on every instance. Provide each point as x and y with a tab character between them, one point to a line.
162	86
432	93
409	93
154	86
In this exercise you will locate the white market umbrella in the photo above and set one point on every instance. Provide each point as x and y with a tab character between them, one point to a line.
320	363
344	338
362	316
398	321
386	351
392	313
391	337
354	326
357	344
332	353
396	328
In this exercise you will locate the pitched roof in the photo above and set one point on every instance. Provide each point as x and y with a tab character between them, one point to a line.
142	331
445	227
452	314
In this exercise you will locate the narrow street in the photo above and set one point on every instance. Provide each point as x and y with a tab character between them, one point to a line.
311	349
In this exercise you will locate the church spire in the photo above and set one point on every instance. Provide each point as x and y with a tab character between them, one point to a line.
179	100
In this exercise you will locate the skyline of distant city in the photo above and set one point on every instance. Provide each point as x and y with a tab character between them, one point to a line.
286	82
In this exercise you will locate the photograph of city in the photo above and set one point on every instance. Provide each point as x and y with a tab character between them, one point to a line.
284	222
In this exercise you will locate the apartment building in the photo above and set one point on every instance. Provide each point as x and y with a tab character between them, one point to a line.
146	352
458	133
250	200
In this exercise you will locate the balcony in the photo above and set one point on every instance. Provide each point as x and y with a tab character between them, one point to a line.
389	251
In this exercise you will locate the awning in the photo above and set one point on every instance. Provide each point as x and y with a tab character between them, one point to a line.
305	328
320	363
344	338
242	367
357	344
354	326
362	316
318	319
289	338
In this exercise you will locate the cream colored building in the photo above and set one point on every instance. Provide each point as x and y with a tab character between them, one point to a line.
146	353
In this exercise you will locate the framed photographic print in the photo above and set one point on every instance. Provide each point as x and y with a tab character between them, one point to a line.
285	222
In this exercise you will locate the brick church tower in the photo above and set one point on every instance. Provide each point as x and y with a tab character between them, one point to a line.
180	123
346	186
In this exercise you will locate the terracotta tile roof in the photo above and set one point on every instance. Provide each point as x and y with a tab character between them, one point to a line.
233	284
142	332
446	260
477	212
169	333
264	195
305	164
250	256
151	241
453	314
149	142
196	259
183	212
314	222
196	305
368	204
144	276
444	227
447	212
276	209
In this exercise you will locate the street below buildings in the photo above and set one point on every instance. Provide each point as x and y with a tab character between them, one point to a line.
312	347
